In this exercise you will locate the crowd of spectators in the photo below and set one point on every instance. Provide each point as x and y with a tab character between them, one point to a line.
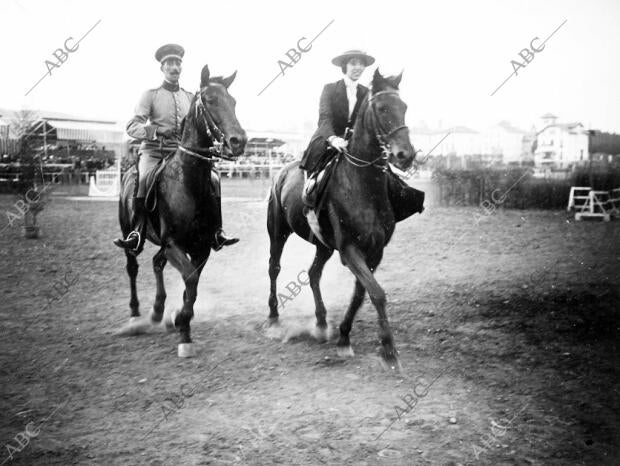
75	168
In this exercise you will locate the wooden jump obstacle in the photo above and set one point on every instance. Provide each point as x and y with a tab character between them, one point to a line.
614	201
577	197
106	183
589	203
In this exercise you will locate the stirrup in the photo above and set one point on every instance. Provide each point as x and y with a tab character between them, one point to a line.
226	241
135	233
122	243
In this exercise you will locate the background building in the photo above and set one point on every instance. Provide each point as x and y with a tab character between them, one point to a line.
63	135
561	145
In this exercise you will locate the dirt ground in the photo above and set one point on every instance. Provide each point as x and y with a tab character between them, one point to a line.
508	332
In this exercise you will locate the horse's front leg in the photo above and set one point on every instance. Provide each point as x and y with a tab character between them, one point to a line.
363	272
159	262
137	324
190	271
132	270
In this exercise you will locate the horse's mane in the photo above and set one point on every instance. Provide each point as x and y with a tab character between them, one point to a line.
361	111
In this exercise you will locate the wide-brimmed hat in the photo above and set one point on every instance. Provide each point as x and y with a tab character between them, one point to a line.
169	51
343	58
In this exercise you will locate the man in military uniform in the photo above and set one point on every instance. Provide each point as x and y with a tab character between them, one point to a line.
338	108
157	122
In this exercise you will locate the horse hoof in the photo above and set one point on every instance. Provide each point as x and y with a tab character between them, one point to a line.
321	334
270	323
169	321
345	351
391	363
135	326
186	350
274	331
156	318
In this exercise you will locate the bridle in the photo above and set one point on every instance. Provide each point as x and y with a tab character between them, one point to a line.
380	133
216	136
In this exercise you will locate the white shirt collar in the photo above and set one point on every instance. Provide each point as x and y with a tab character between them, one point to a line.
349	82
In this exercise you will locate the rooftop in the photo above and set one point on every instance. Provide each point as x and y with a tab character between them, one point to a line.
8	114
509	128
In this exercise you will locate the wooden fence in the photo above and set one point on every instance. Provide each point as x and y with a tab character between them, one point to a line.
8	146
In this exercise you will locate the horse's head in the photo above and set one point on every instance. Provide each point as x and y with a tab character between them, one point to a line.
387	113
219	120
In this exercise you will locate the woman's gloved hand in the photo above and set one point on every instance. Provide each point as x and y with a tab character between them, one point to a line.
337	143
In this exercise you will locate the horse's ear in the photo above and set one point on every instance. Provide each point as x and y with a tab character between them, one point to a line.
229	80
395	80
204	76
377	75
378	81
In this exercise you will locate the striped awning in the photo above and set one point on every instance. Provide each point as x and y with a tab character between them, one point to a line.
103	133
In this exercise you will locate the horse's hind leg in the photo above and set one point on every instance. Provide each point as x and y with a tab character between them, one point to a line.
316	269
279	231
159	262
343	347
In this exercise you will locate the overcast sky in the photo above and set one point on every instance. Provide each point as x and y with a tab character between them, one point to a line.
454	55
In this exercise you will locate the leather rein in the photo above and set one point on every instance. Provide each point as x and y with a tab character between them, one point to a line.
380	133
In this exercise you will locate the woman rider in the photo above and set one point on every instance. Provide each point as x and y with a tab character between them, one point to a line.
338	109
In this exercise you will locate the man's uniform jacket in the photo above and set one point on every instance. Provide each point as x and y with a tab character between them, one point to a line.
333	120
163	107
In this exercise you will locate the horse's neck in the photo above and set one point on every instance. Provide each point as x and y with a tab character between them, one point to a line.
367	185
196	172
191	138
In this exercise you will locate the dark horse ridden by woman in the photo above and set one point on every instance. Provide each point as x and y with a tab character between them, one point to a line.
183	224
356	216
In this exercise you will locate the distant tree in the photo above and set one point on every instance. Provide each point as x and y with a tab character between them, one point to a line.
604	143
23	128
26	128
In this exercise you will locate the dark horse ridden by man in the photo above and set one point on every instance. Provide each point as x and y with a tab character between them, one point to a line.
183	222
356	217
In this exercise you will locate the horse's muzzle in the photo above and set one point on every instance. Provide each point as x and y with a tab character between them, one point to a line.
236	144
402	157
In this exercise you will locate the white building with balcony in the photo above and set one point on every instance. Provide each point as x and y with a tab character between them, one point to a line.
560	145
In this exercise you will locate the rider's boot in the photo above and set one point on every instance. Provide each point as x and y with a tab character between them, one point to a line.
135	239
221	239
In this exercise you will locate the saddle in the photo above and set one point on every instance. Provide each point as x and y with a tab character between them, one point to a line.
316	184
152	177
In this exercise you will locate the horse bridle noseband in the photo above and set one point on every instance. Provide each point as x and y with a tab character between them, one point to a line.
216	135
380	134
